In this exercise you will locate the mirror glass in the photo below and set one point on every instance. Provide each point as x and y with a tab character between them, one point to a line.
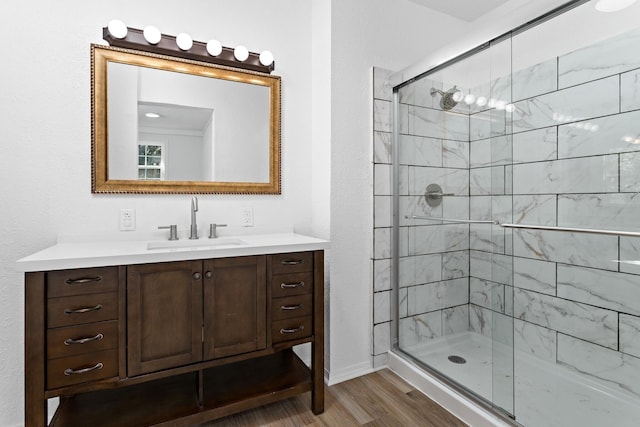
170	125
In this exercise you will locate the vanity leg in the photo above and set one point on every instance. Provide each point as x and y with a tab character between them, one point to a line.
317	357
35	404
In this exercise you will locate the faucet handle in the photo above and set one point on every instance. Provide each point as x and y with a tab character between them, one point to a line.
173	231
213	228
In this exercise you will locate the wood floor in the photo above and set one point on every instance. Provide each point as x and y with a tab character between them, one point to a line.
378	399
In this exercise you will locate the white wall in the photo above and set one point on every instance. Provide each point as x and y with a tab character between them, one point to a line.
364	33
325	61
46	133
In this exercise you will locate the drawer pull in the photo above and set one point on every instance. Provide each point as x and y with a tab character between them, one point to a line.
292	262
292	331
85	280
70	341
83	371
292	285
82	310
291	307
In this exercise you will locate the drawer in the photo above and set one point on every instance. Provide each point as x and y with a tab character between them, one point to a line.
73	340
81	309
285	285
82	281
291	329
288	307
294	262
82	368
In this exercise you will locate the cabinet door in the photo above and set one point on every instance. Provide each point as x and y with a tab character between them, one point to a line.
234	306
164	307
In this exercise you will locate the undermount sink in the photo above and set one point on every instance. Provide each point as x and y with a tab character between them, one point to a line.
198	244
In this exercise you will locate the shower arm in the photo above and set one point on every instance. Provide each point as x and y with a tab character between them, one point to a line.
530	227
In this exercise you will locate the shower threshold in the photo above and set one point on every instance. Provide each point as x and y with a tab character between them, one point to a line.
544	394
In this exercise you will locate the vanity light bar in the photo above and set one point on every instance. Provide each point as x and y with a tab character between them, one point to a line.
134	39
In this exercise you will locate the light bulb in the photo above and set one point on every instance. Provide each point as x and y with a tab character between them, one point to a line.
469	99
184	41
214	47
117	29
613	5
457	96
152	34
266	58
241	53
481	101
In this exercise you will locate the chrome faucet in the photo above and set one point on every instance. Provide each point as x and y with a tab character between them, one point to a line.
194	225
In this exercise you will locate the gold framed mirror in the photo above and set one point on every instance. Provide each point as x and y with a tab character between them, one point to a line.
169	125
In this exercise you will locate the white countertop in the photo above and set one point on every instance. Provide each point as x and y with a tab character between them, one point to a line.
97	253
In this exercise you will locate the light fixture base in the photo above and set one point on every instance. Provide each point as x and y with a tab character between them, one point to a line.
198	52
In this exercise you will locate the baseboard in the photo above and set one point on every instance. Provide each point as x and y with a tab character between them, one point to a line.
350	372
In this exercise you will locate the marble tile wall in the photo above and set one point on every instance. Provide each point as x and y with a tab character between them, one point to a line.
434	259
571	150
382	216
566	154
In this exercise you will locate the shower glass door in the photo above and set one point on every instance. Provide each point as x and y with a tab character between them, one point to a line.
452	266
492	261
518	220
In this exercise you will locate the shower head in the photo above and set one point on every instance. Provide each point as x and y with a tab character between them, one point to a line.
448	100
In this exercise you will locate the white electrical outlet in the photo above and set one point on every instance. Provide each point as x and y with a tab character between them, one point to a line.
246	217
127	219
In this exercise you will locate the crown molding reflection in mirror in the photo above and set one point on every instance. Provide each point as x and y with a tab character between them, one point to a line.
183	46
267	119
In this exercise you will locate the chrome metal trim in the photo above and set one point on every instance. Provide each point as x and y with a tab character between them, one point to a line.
530	227
452	220
573	230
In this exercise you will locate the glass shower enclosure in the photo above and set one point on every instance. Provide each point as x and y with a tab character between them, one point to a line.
517	220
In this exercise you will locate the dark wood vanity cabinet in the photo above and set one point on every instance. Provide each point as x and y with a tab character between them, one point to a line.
164	316
235	315
174	343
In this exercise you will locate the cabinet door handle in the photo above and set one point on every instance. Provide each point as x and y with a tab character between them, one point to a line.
83	371
292	285
292	261
291	307
208	274
83	280
292	331
197	276
82	310
70	341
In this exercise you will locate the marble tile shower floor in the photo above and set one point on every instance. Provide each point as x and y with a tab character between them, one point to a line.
542	395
